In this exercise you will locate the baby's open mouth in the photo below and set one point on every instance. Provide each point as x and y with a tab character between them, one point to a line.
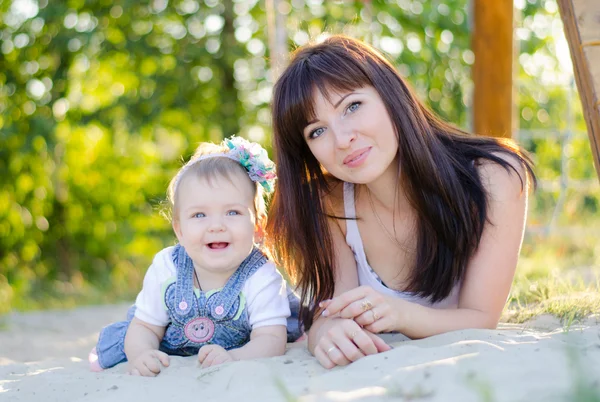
217	245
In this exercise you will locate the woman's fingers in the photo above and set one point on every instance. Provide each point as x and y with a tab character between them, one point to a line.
334	354
323	358
361	307
345	343
362	340
369	317
349	349
378	342
338	303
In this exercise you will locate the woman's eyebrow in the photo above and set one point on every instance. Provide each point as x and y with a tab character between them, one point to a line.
342	99
335	106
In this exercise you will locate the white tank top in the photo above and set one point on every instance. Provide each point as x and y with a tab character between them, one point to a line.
366	275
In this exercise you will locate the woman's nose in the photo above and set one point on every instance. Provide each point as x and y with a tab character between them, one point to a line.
344	136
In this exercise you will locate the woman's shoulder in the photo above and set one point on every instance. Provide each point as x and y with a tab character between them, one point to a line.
508	174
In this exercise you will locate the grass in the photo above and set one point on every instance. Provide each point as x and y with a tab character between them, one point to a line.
583	390
556	275
481	387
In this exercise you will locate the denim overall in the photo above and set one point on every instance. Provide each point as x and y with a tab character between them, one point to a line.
215	317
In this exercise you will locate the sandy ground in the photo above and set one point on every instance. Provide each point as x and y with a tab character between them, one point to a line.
43	356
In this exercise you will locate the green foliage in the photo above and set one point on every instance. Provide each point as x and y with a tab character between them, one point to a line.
99	101
429	41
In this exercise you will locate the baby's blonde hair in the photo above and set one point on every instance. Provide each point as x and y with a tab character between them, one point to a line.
213	168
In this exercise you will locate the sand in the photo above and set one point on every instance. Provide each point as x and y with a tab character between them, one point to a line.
43	356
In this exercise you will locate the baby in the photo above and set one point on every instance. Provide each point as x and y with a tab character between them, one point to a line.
215	293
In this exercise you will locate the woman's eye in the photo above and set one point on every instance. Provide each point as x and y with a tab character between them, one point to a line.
353	107
233	213
316	133
198	215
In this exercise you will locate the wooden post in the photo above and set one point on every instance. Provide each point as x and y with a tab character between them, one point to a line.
581	20
492	44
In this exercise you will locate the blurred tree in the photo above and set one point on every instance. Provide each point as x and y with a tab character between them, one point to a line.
99	101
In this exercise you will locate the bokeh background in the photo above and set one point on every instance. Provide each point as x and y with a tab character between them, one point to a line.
101	100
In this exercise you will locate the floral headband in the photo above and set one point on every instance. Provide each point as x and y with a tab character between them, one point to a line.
250	155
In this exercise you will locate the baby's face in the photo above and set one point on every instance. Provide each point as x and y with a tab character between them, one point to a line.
216	221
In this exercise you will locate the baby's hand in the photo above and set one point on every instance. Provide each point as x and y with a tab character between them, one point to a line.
149	363
211	355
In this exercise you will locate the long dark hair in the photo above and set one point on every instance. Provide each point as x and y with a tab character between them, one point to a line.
437	162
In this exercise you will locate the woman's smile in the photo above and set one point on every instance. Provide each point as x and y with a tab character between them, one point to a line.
357	158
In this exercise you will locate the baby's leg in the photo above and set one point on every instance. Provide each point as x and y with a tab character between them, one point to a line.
94	363
110	349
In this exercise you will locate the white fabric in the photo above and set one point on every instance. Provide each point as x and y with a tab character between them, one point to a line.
366	274
265	293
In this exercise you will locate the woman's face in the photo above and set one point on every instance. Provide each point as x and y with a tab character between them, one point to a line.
352	135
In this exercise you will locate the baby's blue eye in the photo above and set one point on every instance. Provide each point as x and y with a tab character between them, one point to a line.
233	213
199	215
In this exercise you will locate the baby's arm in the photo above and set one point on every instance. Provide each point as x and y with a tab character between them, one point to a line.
264	342
148	327
268	309
141	347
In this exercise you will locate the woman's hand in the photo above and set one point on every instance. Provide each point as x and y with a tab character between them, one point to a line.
344	341
370	309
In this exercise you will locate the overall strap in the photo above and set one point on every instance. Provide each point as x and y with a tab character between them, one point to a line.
184	289
221	303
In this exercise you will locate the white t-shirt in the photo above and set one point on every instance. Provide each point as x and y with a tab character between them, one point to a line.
264	291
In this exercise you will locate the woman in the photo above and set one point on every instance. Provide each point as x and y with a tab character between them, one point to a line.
387	218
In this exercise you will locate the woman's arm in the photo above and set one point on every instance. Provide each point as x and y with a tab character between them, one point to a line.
487	280
346	278
335	340
490	272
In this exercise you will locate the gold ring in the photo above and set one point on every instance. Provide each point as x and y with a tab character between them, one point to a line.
375	316
366	305
331	349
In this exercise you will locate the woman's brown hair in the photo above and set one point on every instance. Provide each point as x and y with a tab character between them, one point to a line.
437	161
